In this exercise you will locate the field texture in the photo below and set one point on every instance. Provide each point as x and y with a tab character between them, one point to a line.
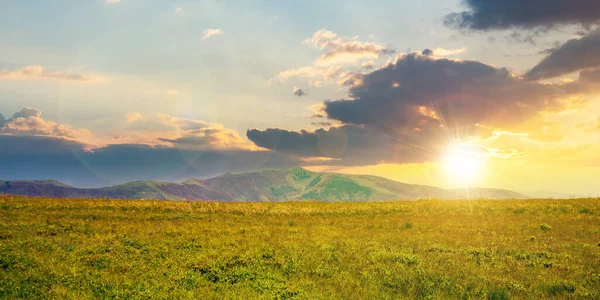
515	249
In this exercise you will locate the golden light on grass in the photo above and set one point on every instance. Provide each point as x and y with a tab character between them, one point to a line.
100	248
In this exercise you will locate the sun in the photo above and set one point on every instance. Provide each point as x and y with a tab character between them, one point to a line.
462	164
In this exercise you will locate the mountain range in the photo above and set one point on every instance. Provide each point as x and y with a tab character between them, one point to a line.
274	185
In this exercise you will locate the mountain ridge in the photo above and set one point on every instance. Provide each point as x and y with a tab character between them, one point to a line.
271	185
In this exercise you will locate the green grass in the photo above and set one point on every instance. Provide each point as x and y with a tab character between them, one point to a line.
338	187
282	191
518	249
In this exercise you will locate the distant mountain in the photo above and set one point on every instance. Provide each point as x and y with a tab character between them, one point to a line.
553	194
265	185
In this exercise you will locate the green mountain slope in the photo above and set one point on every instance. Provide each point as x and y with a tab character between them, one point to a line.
272	185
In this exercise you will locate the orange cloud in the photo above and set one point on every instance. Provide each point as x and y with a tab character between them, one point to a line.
29	121
164	129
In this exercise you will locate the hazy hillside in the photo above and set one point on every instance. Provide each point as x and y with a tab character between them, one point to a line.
265	185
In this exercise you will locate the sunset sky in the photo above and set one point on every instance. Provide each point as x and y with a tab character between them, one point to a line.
100	92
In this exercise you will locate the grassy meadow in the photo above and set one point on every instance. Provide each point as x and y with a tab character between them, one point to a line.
85	248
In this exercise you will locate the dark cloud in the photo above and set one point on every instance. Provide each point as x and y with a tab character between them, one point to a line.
2	120
589	76
322	124
299	92
33	148
348	144
547	51
423	93
519	37
409	110
427	52
586	84
303	142
574	55
526	14
43	157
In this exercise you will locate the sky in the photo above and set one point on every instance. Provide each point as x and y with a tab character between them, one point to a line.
101	92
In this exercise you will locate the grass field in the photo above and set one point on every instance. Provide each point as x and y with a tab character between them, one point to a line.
515	249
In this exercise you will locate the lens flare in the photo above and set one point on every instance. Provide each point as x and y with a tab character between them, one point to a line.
462	164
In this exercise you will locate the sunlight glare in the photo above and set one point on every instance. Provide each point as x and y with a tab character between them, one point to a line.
462	164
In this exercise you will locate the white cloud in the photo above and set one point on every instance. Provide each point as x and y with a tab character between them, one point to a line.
31	72
178	9
326	73
342	56
113	1
211	32
341	50
447	52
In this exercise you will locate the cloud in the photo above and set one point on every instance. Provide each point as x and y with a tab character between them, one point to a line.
113	1
347	144
27	112
157	129
214	137
461	93
151	147
530	14
299	92
164	129
447	52
589	127
132	117
341	56
44	157
441	52
574	55
211	32
178	9
587	84
317	110
589	77
368	65
419	103
29	121
344	50
33	72
325	73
